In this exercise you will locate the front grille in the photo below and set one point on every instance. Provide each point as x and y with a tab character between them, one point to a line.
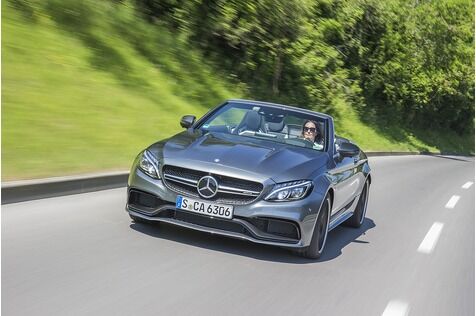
231	190
182	172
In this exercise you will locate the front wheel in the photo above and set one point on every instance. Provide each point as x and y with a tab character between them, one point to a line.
319	236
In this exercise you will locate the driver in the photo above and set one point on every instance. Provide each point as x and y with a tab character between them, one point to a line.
310	132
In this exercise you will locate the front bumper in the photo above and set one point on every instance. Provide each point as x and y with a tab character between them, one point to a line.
258	222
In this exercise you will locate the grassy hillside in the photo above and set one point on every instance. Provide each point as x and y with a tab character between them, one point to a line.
75	103
83	93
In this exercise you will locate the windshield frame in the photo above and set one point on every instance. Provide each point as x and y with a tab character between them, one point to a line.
319	117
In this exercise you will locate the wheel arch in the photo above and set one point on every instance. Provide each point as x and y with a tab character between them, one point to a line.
330	192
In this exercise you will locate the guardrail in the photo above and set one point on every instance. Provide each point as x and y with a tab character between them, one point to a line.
19	191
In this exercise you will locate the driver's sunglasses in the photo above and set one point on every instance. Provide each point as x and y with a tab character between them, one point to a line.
309	129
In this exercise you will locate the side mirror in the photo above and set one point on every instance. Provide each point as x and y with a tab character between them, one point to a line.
348	150
187	121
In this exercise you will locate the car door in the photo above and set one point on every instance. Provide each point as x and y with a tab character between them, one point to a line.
345	180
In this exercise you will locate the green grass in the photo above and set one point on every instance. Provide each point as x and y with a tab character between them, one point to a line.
84	93
65	112
384	137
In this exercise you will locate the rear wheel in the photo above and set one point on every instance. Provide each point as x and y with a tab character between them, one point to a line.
319	236
359	213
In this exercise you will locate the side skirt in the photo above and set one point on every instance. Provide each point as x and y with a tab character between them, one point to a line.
343	214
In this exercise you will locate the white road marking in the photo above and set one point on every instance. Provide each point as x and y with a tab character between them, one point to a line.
467	185
431	238
452	202
396	308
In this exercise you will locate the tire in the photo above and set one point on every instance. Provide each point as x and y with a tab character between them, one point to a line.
136	219
319	236
359	213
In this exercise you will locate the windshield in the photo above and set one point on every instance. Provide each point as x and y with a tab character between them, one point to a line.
271	123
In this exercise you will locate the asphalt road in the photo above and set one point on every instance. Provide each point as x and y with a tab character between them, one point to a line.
414	255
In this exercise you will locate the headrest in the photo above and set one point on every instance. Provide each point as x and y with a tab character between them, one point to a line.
252	120
276	126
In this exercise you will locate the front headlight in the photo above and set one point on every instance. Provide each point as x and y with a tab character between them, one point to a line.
289	191
149	164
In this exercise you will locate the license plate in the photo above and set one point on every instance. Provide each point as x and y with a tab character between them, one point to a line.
205	208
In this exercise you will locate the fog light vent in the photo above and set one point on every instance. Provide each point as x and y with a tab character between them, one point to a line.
276	227
143	199
282	228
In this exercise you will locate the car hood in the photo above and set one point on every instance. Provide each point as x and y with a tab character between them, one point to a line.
239	156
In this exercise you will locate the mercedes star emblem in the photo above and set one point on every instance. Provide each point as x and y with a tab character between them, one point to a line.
207	187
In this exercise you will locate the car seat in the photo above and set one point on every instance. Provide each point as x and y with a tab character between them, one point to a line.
294	130
276	126
252	121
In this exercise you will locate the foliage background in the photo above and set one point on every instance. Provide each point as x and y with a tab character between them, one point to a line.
86	84
410	62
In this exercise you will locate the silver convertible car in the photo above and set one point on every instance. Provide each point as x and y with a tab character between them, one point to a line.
267	173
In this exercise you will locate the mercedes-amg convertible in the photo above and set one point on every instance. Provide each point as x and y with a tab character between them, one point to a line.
268	173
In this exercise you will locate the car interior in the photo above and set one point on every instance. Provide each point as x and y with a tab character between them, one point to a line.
263	123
